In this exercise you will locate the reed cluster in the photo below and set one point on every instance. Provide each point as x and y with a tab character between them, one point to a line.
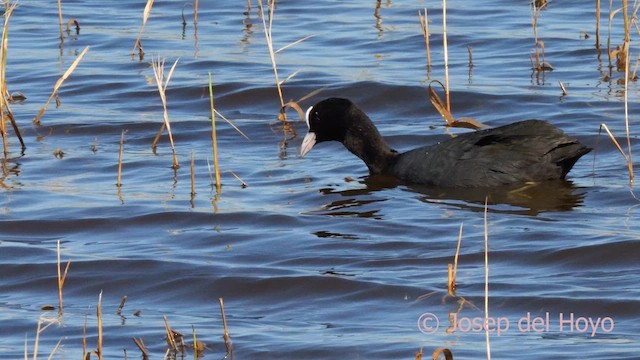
176	345
6	115
162	82
444	107
282	115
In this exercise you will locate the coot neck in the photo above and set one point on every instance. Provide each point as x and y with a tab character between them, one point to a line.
364	140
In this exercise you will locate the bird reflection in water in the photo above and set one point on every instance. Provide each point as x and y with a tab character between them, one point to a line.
528	199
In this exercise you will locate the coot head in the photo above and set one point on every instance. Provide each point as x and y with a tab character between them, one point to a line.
337	119
328	120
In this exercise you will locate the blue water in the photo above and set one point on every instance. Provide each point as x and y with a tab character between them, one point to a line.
313	259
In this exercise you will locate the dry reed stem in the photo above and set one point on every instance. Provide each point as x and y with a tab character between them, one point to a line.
122	302
598	24
195	342
227	340
564	90
60	21
294	104
119	180
454	272
195	13
451	284
214	140
171	341
232	124
446	53
615	142
210	172
612	13
193	176
61	279
272	55
145	17
424	24
465	122
440	105
143	349
54	350
626	111
98	350
625	17
161	82
58	84
244	184
39	331
534	24
486	277
5	109
626	158
448	355
84	338
293	43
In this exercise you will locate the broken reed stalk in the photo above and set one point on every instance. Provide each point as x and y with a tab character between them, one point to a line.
272	55
227	340
598	25
99	315
486	277
60	21
145	17
446	54
195	13
193	176
58	84
424	24
84	338
564	89
61	278
158	72
119	180
122	302
195	343
244	184
214	140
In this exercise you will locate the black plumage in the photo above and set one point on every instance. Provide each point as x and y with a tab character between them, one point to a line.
531	150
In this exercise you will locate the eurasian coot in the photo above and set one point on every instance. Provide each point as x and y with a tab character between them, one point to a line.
531	150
